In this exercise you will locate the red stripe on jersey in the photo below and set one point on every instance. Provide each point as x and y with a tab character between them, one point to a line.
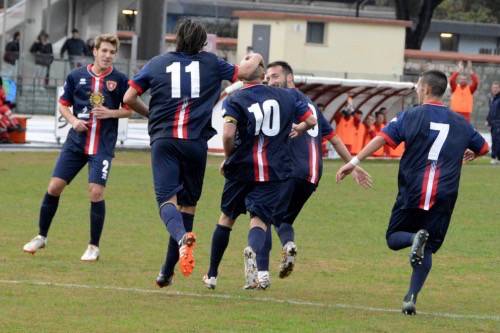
306	115
64	102
175	131
186	121
424	186
235	75
137	87
255	158
265	163
329	136
89	130
484	149
390	142
435	184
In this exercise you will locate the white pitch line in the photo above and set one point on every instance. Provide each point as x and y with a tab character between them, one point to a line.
251	299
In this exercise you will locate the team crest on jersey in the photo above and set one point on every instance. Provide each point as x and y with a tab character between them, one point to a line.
111	85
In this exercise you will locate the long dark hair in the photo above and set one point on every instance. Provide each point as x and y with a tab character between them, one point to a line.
191	37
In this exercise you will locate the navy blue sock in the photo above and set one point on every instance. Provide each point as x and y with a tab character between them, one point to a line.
286	233
256	239
220	239
399	240
420	273
97	214
173	221
173	247
47	211
263	255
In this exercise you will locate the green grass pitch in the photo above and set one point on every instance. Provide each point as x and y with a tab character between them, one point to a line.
346	279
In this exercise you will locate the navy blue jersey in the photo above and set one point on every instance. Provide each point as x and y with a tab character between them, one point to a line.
265	116
435	141
109	88
184	90
305	150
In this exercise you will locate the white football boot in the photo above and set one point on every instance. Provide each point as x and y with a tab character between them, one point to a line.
39	242
91	253
264	279
251	278
210	282
287	259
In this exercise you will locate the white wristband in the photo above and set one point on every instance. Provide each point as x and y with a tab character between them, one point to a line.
355	161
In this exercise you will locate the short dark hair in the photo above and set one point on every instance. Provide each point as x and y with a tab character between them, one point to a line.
286	67
191	37
74	30
437	80
16	34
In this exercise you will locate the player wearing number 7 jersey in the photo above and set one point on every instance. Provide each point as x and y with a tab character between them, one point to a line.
436	141
95	94
184	87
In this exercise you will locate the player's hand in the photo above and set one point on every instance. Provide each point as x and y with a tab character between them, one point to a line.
362	177
296	131
469	155
460	66
469	67
344	171
102	112
221	167
80	125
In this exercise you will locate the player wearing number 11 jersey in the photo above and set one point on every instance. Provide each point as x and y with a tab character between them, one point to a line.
436	140
184	87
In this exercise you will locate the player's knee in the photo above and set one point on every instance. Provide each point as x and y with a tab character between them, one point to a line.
56	187
96	192
257	222
226	221
188	209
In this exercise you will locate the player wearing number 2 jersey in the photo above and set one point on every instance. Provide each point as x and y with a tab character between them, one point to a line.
436	140
184	87
95	94
257	124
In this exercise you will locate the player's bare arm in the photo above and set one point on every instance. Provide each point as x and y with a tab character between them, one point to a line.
361	177
132	99
368	150
299	129
102	112
78	125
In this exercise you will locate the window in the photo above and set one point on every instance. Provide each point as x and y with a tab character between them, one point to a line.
448	41
315	32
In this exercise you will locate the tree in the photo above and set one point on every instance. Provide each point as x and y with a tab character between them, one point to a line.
420	13
482	11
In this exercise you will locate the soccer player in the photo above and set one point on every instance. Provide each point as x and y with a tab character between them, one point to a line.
437	140
306	155
257	125
95	92
185	86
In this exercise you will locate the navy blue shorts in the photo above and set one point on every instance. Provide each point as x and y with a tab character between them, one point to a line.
70	163
178	169
259	199
435	221
294	194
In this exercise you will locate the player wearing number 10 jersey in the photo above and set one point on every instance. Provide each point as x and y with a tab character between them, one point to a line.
184	87
437	140
257	124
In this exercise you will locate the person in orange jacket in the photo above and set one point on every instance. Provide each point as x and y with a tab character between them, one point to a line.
358	131
344	124
462	100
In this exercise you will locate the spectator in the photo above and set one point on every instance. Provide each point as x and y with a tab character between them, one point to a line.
344	123
11	56
462	101
380	122
358	132
493	121
42	51
76	49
